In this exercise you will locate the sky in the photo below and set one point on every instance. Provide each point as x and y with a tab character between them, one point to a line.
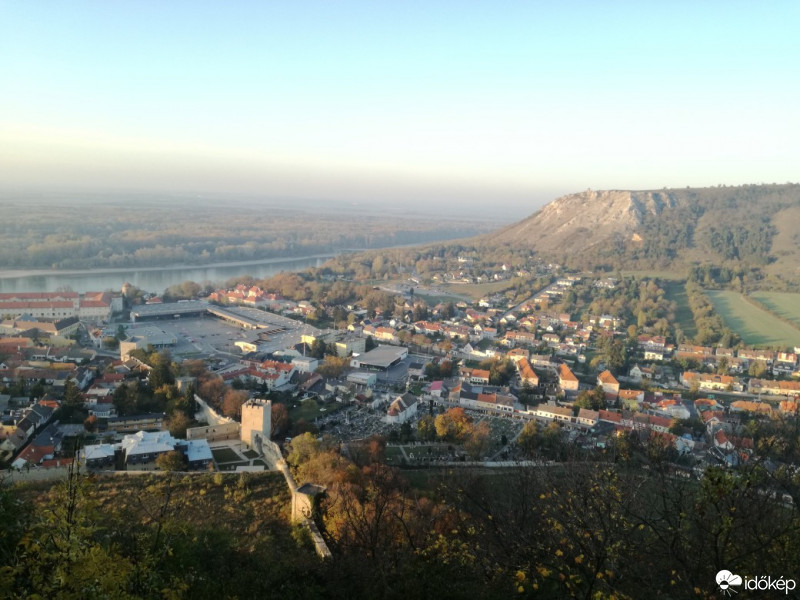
505	104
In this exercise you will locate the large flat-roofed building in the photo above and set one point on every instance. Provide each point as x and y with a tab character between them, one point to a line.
140	338
381	358
146	446
169	310
91	306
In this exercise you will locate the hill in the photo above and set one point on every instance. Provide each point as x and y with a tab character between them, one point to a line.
750	226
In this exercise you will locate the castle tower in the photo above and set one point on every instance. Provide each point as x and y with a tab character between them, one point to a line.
256	421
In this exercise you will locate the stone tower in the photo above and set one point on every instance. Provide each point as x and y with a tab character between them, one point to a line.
256	421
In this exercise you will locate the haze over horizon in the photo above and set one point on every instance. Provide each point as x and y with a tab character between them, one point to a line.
439	103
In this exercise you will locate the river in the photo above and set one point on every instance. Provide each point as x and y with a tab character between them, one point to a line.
152	279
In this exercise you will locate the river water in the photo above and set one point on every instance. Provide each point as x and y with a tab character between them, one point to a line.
155	279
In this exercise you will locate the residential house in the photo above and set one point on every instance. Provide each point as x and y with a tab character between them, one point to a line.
566	379
631	399
588	417
774	388
747	406
527	376
708	381
608	382
554	413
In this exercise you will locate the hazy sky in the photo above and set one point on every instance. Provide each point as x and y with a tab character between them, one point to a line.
509	102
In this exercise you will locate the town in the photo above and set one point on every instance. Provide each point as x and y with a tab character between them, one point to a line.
442	379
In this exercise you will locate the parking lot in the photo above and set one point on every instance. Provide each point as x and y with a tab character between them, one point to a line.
206	336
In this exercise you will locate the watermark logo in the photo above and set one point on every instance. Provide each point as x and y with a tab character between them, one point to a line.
727	581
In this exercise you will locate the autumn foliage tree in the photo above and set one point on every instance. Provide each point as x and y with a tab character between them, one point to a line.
453	425
232	404
280	418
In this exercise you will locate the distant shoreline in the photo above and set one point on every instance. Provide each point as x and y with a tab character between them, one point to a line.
23	273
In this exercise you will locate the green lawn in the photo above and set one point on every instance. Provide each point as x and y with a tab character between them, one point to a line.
224	455
250	454
308	409
434	299
756	327
785	305
676	292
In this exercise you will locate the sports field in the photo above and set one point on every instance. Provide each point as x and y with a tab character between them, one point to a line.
783	304
756	326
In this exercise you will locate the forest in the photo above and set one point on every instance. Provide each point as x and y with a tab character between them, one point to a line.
607	527
146	231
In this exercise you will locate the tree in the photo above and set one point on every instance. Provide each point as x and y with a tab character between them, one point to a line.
110	342
333	366
232	404
722	366
406	432
527	393
59	556
90	423
594	399
616	355
758	369
453	425
37	389
302	448
280	419
171	461
212	390
432	371
448	310
500	370
161	370
477	442
528	439
178	423
72	400
426	428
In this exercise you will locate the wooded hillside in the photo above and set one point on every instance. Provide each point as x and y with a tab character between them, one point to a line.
751	226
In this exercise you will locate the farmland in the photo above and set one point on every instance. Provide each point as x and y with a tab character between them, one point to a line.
785	305
756	326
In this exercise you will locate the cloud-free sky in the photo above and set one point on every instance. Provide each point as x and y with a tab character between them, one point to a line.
385	101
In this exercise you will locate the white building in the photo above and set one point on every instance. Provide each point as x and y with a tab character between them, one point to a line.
402	409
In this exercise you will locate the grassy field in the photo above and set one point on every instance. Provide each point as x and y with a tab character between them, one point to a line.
785	305
756	327
676	292
434	299
654	274
308	409
478	290
224	455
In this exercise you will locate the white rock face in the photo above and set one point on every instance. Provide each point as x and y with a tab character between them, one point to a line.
580	221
